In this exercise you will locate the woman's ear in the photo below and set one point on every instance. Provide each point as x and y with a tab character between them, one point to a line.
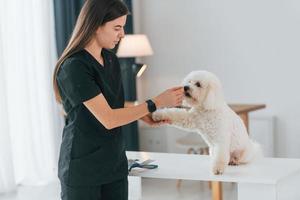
214	98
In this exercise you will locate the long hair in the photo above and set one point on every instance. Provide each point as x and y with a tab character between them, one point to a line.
93	14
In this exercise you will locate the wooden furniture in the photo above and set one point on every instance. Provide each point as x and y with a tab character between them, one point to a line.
263	179
243	111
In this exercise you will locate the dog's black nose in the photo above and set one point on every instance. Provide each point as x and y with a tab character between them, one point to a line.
186	88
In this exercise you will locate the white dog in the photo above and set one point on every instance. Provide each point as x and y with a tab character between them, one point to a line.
210	116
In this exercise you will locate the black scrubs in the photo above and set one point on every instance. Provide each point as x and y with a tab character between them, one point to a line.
92	162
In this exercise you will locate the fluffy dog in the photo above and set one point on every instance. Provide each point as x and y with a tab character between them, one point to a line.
210	116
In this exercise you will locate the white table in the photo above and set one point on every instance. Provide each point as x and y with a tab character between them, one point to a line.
266	179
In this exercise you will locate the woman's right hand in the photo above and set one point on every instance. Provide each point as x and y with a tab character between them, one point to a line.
169	98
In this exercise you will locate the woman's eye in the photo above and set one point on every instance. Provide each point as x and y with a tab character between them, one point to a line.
198	84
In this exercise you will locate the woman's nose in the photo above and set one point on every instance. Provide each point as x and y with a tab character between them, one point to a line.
122	34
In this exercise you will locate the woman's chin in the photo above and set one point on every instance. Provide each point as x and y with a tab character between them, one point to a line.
111	46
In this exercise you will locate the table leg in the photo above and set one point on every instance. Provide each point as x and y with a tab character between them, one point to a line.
245	118
134	188
216	188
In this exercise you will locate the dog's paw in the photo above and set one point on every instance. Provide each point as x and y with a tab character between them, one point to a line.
234	161
218	169
235	157
157	116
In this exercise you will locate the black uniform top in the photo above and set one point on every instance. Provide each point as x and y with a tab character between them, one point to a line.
90	154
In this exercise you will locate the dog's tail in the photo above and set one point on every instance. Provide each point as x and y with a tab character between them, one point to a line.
253	152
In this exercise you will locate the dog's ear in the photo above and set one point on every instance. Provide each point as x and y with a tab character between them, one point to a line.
214	98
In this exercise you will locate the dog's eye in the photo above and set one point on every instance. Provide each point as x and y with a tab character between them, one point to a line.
198	84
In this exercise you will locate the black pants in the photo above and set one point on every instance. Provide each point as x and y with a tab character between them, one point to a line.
117	190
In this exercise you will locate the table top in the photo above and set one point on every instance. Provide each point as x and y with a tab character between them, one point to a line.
197	167
244	108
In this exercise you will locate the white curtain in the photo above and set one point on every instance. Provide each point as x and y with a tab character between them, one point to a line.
7	179
30	124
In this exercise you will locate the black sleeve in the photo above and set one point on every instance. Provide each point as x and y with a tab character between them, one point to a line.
76	80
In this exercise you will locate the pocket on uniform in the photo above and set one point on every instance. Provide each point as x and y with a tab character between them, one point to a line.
89	156
89	168
85	144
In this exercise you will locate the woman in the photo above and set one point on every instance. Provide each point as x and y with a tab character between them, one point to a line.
87	81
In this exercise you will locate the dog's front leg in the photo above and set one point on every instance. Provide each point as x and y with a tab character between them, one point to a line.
178	116
220	158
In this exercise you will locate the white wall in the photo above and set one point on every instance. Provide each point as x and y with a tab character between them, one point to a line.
253	46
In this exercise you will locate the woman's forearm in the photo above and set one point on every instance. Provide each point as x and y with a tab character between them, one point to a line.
112	118
123	116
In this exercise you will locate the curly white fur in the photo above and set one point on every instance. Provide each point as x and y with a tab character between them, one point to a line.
210	116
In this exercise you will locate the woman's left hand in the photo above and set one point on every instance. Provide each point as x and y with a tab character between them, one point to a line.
148	120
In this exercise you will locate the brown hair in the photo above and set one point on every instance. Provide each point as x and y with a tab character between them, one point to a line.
93	14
